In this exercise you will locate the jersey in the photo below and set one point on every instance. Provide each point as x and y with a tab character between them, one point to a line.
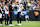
19	7
6	12
0	12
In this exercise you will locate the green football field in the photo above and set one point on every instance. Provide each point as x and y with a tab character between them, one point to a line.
25	24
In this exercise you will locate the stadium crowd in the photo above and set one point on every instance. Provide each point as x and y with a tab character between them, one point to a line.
6	9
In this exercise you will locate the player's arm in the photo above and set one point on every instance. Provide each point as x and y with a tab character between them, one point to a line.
7	9
13	8
4	17
1	9
21	8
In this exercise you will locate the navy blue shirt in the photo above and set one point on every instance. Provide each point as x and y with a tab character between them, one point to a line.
10	8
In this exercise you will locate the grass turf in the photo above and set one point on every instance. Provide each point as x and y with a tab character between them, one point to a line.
25	24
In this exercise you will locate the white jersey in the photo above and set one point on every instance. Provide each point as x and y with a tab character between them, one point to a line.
19	7
6	12
0	15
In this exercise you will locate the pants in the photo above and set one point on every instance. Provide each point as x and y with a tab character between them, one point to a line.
11	17
1	20
18	18
6	19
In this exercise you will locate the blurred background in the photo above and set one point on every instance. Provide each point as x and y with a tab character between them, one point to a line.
31	8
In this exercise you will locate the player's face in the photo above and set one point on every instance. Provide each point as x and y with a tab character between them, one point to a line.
11	3
7	4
